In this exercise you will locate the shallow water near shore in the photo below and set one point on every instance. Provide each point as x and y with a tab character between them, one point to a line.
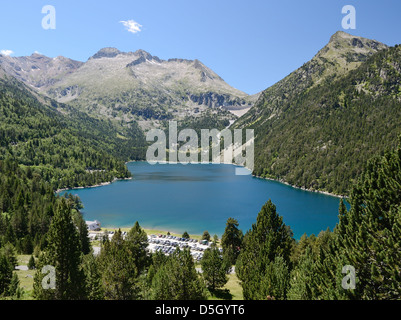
199	197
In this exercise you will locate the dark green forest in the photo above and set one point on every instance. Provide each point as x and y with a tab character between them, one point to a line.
367	238
270	264
322	137
66	149
340	136
45	146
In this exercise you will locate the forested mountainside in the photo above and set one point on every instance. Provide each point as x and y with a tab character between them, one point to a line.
315	134
45	146
318	132
65	147
365	242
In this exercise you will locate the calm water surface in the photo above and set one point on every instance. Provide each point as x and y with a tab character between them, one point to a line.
200	197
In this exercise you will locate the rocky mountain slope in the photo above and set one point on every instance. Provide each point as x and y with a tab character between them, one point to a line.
342	54
316	128
38	71
131	86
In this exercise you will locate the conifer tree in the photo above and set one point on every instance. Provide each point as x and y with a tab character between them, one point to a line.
268	239
366	238
275	282
10	253
137	241
206	236
118	270
369	233
31	263
6	273
214	268
177	279
302	279
93	281
231	240
63	252
14	289
82	231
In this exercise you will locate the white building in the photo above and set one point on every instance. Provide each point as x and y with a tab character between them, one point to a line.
93	225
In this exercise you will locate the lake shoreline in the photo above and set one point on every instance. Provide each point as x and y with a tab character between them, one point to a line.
197	163
152	181
302	188
94	186
270	179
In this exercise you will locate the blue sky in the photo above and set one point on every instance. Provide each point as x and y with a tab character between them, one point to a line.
251	44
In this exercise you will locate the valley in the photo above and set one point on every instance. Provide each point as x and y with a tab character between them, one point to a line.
73	145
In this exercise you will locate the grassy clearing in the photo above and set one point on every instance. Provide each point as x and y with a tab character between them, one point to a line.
26	282
231	291
25	277
234	286
23	259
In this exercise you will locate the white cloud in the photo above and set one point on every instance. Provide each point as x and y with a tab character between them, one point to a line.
6	52
132	26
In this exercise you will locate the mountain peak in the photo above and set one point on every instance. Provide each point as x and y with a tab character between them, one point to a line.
37	54
144	54
343	53
340	35
108	52
342	40
143	57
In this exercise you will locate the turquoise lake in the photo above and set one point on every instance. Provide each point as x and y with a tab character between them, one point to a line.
199	197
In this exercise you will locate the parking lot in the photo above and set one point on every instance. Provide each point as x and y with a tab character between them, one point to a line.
165	244
168	244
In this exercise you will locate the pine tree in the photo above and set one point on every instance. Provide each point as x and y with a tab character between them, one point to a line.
162	284
63	252
31	263
118	270
82	231
177	279
268	239
231	240
6	274
214	268
206	236
369	234
380	189
27	245
14	289
9	252
137	241
275	282
317	274
93	281
302	279
215	239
